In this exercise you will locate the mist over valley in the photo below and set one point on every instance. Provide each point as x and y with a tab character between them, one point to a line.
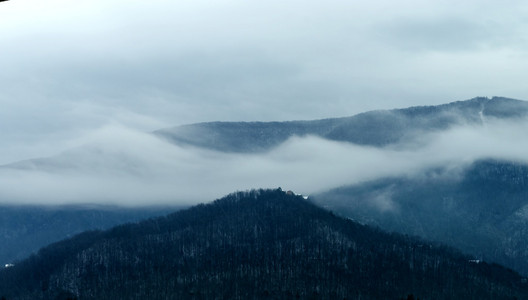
453	173
121	166
355	149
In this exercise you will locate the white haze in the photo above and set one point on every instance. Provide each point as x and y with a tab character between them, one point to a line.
121	166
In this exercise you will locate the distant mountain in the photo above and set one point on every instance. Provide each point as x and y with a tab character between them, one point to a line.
25	229
253	245
374	128
483	210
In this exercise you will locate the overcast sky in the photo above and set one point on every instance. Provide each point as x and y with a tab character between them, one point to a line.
68	68
102	74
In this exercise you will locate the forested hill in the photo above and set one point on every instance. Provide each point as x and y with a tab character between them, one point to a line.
258	244
374	128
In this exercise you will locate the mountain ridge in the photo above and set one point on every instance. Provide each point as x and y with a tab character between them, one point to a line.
260	136
374	128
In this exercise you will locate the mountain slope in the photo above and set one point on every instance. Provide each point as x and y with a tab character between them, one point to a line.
375	128
25	229
482	211
259	244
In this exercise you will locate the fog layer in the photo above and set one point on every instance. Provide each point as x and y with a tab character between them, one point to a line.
118	165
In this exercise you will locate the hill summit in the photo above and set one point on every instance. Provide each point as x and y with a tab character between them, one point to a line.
261	244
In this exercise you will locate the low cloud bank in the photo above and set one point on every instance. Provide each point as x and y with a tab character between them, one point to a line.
125	167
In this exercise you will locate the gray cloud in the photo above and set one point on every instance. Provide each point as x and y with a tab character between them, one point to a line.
449	34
